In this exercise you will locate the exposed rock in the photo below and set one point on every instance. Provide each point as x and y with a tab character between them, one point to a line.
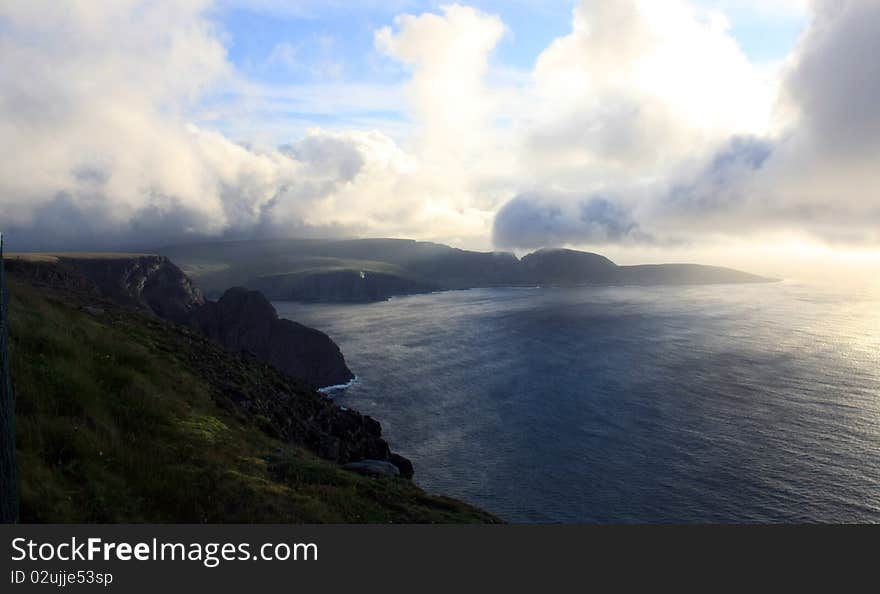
288	408
403	465
244	320
373	468
148	282
241	320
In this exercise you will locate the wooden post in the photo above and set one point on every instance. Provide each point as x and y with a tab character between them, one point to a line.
8	479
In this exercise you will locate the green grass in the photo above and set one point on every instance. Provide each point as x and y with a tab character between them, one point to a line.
115	425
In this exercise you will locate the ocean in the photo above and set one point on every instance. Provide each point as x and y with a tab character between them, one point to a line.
729	403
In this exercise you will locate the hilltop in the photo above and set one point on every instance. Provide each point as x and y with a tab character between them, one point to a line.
363	270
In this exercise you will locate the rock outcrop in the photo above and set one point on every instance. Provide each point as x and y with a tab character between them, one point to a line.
293	358
241	320
147	282
244	320
288	408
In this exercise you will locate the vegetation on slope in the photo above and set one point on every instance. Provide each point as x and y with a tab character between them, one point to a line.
117	423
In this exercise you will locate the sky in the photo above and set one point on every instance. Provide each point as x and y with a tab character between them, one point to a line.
736	132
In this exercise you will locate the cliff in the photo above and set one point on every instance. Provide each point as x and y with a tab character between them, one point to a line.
365	270
125	417
148	282
244	320
240	321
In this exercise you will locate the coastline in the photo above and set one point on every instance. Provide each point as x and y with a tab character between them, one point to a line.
338	387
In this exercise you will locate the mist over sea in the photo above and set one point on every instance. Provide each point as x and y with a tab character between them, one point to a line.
747	403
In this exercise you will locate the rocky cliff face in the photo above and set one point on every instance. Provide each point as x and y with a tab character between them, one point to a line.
244	320
295	358
147	282
293	410
150	282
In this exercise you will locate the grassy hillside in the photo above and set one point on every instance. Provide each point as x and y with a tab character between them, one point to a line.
117	423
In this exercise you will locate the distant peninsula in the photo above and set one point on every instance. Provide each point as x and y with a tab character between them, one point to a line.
368	270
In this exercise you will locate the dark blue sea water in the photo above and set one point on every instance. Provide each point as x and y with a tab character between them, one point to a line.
757	403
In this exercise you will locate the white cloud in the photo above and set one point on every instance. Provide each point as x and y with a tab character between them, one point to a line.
703	149
818	176
637	86
449	57
284	54
646	123
83	90
316	55
97	101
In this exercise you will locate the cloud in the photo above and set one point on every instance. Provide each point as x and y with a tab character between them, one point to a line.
644	125
336	156
818	176
804	164
835	83
632	100
316	56
110	144
448	56
824	174
718	185
101	149
535	221
284	54
639	85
